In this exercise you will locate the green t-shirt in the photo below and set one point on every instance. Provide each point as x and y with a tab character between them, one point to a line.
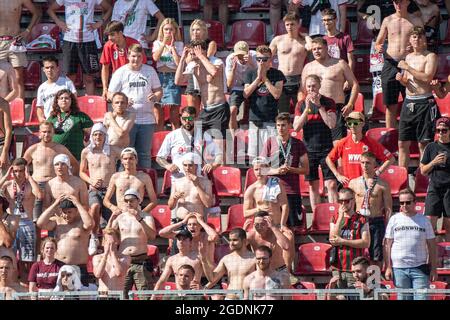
73	135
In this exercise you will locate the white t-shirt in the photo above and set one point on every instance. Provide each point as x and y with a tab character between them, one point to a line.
133	14
217	62
241	70
167	57
316	26
178	142
137	85
78	15
410	235
47	92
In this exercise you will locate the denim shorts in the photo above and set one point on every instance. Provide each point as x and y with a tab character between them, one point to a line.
171	92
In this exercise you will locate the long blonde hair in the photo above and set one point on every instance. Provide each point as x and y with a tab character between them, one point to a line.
202	25
174	25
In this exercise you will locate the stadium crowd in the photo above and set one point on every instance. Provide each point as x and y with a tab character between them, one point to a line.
78	207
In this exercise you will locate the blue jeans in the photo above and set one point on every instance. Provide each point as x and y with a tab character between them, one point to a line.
410	278
141	138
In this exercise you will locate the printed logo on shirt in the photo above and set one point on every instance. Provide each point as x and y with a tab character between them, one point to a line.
333	51
139	84
67	125
354	157
115	55
409	228
79	8
365	148
48	97
262	91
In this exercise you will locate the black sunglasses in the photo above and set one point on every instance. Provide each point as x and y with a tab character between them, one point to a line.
345	200
443	131
263	59
406	203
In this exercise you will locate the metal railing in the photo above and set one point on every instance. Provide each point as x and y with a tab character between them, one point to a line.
173	294
69	295
305	294
411	294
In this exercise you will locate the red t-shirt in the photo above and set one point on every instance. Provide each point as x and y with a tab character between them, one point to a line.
339	46
350	153
45	275
112	56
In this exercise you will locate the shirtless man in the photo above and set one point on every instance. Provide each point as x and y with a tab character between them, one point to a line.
120	121
419	111
10	33
98	164
111	266
186	255
6	132
335	75
377	207
72	225
8	284
265	233
8	82
291	52
21	192
41	155
396	28
136	227
8	229
236	265
209	73
65	183
191	193
130	178
266	276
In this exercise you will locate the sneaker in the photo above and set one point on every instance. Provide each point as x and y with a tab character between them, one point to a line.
93	245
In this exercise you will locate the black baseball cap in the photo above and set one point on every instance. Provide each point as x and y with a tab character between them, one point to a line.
66	204
184	233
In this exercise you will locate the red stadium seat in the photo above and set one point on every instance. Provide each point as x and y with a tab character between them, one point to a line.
302	296
32	75
259	7
189	5
421	184
379	111
153	254
215	222
216	32
33	119
227	181
169	286
153	175
94	106
364	35
397	177
39	29
362	73
235	217
158	139
162	215
359	104
388	137
446	40
304	185
250	178
281	29
251	31
438	285
444	105
166	185
233	5
297	135
389	285
17	109
420	207
313	259
443	253
184	102
443	67
322	216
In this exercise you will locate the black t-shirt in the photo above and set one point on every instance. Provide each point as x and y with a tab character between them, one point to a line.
386	8
440	174
263	106
316	134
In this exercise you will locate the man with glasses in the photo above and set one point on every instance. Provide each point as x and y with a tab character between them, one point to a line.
291	51
419	110
396	28
334	73
350	149
263	87
349	236
373	200
435	163
410	248
316	27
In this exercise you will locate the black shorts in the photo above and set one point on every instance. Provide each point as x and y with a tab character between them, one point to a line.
295	210
316	159
417	119
84	54
84	275
236	98
437	202
377	229
216	117
190	88
289	93
391	87
340	131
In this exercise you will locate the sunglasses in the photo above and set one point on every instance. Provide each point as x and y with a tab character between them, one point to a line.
263	59
326	20
443	131
262	258
353	123
190	118
405	203
345	201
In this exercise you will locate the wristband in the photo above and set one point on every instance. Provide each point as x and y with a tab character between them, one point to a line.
140	220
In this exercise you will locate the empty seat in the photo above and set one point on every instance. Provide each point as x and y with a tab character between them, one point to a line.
169	286
216	32
153	254
94	106
17	109
166	185
33	119
322	216
397	177
359	104
189	5
157	141
364	35
421	184
438	285
420	207
313	259
44	37
251	31
304	185
227	181
215	222
162	215
388	137
389	285
250	178
444	105
258	7
362	63
235	217
379	110
304	296
32	75
447	35
240	146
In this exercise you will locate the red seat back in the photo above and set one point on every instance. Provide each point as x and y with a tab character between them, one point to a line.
166	185
216	32
313	258
438	285
389	285
444	105
17	109
215	222
362	73
157	141
94	106
33	119
304	285
189	5
251	31
227	181
364	35
421	184
388	137
397	177
235	217
322	216
162	215
32	75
